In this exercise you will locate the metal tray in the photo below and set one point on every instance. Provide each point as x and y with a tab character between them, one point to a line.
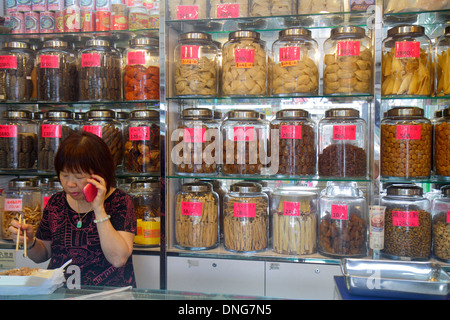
395	279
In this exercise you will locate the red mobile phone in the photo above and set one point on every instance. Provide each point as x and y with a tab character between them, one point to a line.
89	192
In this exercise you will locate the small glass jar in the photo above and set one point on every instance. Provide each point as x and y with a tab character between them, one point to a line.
23	197
246	218
442	144
17	72
343	220
100	72
103	123
442	64
342	144
18	140
146	195
244	65
56	126
53	186
348	62
407	225
263	8
142	152
244	135
57	72
441	225
141	70
294	220
407	68
296	144
406	142
196	217
295	63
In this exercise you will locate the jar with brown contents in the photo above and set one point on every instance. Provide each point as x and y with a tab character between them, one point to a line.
406	139
442	144
441	225
407	231
296	142
442	62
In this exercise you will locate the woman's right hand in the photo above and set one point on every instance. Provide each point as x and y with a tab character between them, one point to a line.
27	228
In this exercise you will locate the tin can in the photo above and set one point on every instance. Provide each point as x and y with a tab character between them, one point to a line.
103	5
119	17
31	22
11	6
103	21
69	3
17	22
59	21
23	5
72	19
55	5
47	22
87	18
134	3
87	5
39	5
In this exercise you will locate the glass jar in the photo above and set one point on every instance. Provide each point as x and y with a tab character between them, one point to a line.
17	72
343	220
198	141
196	65
146	195
407	68
53	186
221	190
100	72
406	142
294	220
246	218
102	123
138	17
441	225
342	144
295	63
141	152
442	144
320	6
244	135
222	9
244	65
263	8
407	226
141	70
196	217
296	144
57	72
18	140
56	126
23	197
442	64
348	62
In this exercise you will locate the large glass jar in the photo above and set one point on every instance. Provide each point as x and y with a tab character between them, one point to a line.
441	225
196	217
102	123
18	140
406	142
100	72
244	135
141	70
407	68
196	66
442	144
23	197
296	142
342	144
442	64
343	220
407	224
17	72
197	149
295	63
56	126
57	72
294	220
348	62
246	218
146	195
142	152
244	65
53	186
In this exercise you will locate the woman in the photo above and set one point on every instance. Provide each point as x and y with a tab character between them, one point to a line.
98	236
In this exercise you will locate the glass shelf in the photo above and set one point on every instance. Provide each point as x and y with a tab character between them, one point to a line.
37	173
84	104
269	178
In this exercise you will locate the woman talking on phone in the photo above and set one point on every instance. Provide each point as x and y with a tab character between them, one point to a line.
97	234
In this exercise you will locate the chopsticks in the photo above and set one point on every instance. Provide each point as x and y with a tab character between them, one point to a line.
24	237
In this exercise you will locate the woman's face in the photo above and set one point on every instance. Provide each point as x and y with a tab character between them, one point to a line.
73	183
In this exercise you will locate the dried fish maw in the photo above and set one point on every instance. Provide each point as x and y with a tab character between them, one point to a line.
363	75
425	87
331	77
387	64
348	66
363	65
345	74
329	59
362	86
332	85
414	85
405	84
387	86
331	68
366	54
397	84
396	65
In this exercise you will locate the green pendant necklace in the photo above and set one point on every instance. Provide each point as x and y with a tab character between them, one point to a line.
80	218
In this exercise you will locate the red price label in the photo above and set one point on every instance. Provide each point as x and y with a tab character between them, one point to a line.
348	48
196	135
90	60
339	211
244	134
408	132
51	131
187	12
291	208
405	218
189	54
97	130
290	132
49	62
8	62
139	133
228	10
8	131
289	56
344	132
136	57
13	205
244	210
191	208
407	49
244	58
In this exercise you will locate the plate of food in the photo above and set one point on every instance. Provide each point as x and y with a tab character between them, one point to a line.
29	277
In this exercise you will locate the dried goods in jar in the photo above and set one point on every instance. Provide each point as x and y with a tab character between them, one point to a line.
199	78
32	215
442	147
141	83
140	154
301	77
263	8
317	6
228	9
443	73
342	160
441	236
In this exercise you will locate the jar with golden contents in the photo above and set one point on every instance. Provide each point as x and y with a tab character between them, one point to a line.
196	217
407	226
141	70
406	140
442	144
406	62
246	218
22	198
196	151
442	64
296	142
295	63
196	66
441	225
348	62
244	65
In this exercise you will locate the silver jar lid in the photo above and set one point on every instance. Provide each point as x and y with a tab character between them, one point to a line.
23	183
292	114
246	187
150	185
17	45
56	44
299	32
196	187
404	190
347	31
244	34
97	42
59	114
405	29
144	41
197	113
342	113
446	112
100	113
17	114
194	36
243	115
122	115
405	112
144	114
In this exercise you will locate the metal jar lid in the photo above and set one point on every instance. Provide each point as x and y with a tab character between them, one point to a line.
447	31
299	32
342	113
150	185
144	41
194	36
405	29
246	187
404	190
446	112
144	114
197	113
56	44
405	112
347	31
17	114
445	190
292	114
101	113
23	183
97	42
16	45
243	115
244	34
196	187
59	114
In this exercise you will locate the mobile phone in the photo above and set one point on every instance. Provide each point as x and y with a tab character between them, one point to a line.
89	192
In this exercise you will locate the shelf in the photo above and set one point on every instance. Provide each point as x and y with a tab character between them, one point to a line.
35	172
87	104
268	178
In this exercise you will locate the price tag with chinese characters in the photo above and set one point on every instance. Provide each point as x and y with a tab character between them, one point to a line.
139	133
90	60
191	208
51	131
289	56
346	132
339	212
405	218
291	208
290	132
244	58
407	49
49	61
189	55
244	134
244	210
408	132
